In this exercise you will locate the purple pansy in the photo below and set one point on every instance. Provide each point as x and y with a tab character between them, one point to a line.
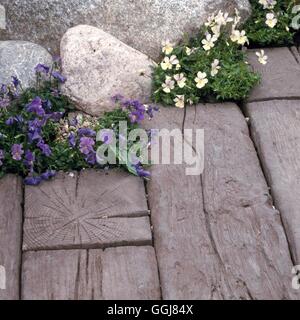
41	68
32	181
10	121
46	150
29	159
72	139
56	116
36	106
86	145
17	151
58	76
141	172
86	132
91	158
48	174
16	82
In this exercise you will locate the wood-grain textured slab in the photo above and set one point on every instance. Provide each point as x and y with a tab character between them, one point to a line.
122	273
280	77
130	273
11	197
93	209
217	235
275	127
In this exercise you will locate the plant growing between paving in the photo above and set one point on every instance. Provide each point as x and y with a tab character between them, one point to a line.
271	23
39	135
212	66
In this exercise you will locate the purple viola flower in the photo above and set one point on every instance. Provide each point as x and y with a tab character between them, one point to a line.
48	174
136	117
34	130
141	172
46	150
35	106
86	132
16	82
58	76
10	121
47	105
72	140
29	159
17	151
56	116
91	158
41	68
32	180
86	145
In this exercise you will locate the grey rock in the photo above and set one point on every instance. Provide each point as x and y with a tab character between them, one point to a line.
99	66
18	58
142	24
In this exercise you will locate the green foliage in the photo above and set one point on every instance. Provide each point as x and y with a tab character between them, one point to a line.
40	134
261	35
233	81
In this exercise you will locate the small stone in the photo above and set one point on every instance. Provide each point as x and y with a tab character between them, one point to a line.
19	58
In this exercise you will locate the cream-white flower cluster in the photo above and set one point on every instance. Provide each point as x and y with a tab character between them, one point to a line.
271	18
214	26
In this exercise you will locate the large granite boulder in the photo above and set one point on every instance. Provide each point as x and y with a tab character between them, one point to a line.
98	66
142	24
19	58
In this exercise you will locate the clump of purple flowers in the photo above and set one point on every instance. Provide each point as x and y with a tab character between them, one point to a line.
136	110
45	139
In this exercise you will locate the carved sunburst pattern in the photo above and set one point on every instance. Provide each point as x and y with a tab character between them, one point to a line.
91	209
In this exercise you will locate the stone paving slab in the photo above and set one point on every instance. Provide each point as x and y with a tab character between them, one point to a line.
92	210
275	130
127	273
217	235
279	77
11	198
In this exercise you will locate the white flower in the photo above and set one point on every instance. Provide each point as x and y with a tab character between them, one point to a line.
179	101
210	21
222	19
201	79
167	47
181	79
271	20
268	4
188	51
209	42
216	30
178	66
215	67
168	62
262	58
239	37
168	85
